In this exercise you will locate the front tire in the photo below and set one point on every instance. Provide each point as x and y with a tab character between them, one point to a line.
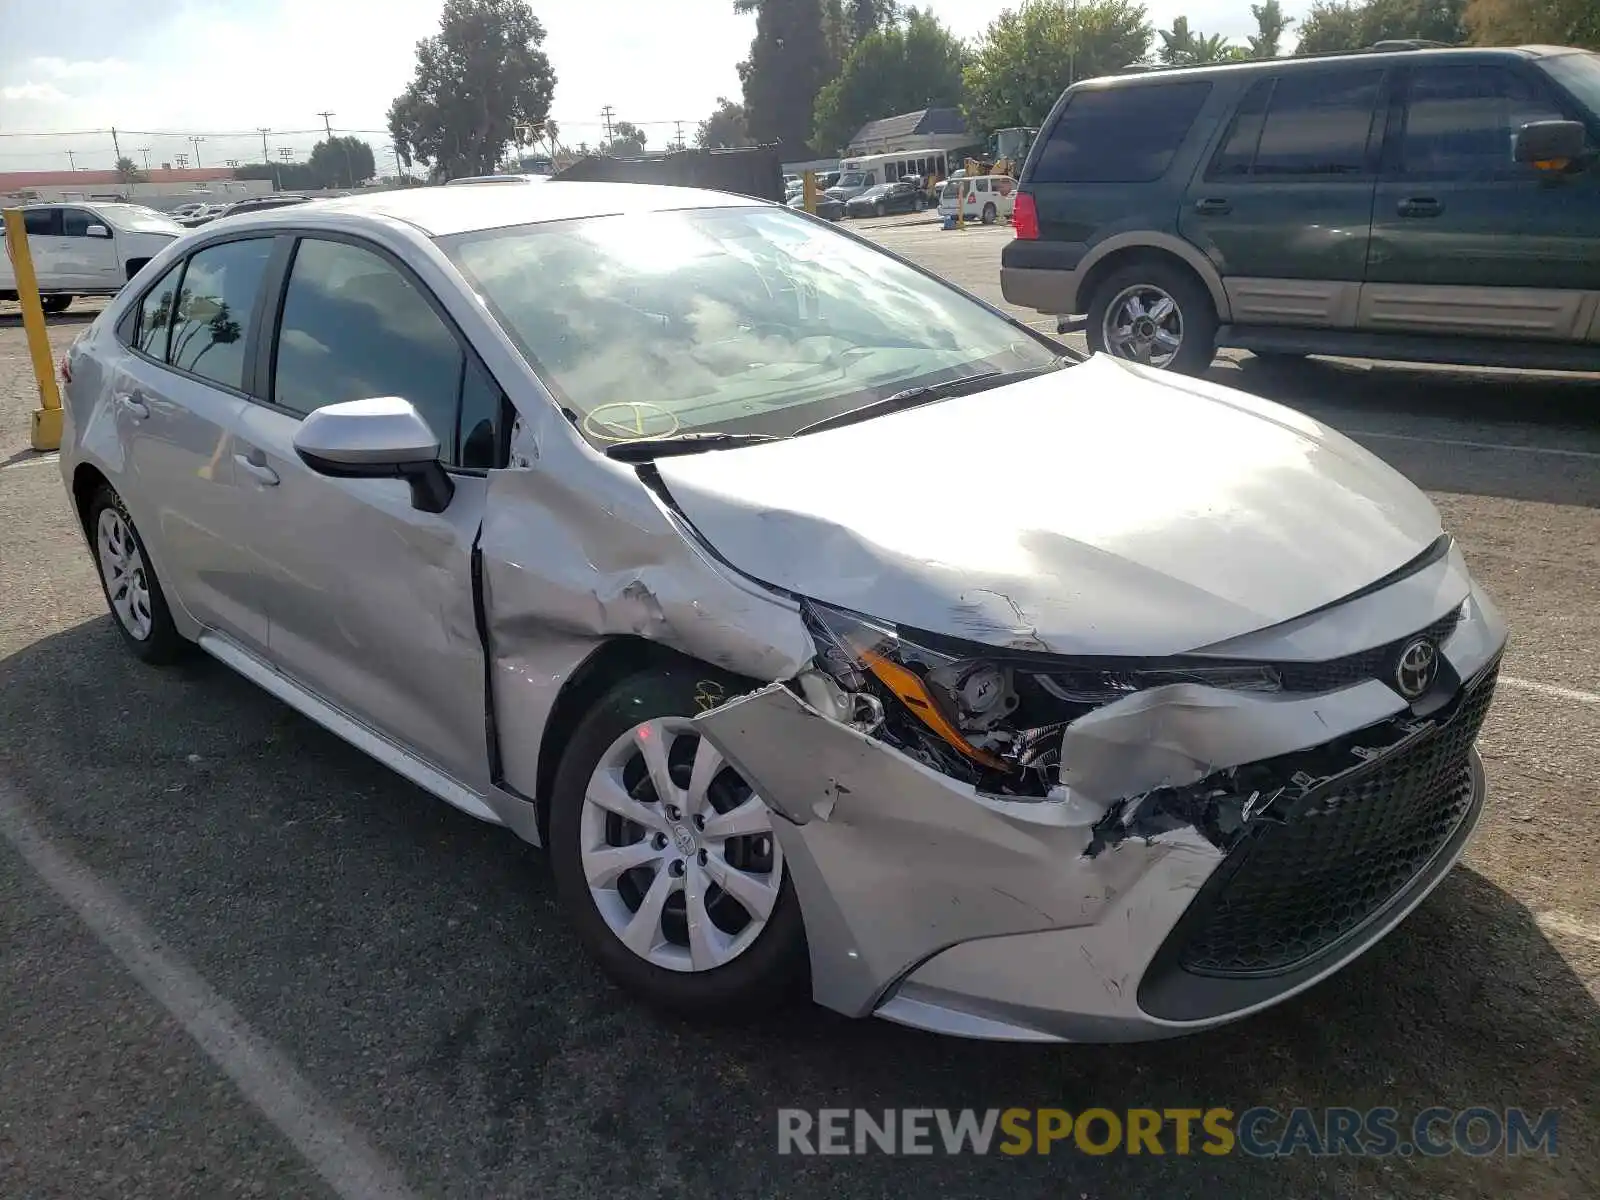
133	593
1156	313
665	860
990	214
54	304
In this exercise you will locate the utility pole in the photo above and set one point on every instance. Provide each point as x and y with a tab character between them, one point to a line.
116	147
145	150
679	124
606	114
266	156
182	160
327	123
195	142
72	161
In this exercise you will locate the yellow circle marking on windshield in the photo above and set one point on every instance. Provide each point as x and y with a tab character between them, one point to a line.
634	421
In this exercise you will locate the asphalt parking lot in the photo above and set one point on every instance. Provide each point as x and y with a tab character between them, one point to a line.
379	978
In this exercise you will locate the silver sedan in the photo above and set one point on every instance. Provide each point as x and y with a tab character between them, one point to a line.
831	630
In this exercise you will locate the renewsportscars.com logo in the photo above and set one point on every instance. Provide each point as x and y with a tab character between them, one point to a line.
1257	1132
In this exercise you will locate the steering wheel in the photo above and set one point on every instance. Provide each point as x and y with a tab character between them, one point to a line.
629	421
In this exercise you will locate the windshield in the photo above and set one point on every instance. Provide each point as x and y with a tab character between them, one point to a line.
728	319
852	179
135	218
1580	75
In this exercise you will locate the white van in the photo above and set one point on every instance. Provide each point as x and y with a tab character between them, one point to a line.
87	249
990	198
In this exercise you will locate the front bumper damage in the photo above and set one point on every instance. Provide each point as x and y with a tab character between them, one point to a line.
1138	901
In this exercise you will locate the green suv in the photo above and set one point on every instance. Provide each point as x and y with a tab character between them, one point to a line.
1429	205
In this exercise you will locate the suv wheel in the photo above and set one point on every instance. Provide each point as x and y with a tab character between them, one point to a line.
132	590
990	214
665	858
55	304
1154	313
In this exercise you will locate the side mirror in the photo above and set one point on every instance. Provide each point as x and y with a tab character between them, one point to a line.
382	438
96	231
1548	145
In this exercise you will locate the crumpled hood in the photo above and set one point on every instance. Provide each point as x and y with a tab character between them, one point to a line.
1104	509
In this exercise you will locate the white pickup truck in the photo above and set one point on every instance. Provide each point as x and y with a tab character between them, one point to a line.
87	249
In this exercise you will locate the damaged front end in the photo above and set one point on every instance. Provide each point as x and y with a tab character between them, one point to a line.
1010	844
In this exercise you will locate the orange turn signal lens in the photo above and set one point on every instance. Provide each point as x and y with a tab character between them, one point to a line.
913	693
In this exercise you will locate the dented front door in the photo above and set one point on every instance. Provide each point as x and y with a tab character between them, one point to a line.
369	601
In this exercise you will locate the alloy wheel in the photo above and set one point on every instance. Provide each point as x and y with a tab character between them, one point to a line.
1143	323
678	849
122	567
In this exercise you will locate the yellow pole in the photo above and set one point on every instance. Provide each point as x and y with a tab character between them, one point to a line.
809	182
47	417
961	203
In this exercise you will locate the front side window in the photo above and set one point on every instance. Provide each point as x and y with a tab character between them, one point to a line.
729	319
75	222
355	328
155	316
1460	121
1318	123
214	307
1120	134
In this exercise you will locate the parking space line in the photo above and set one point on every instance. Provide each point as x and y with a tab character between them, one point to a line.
1466	445
351	1166
1551	690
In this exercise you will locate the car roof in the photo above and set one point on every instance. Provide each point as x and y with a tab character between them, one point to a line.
443	211
1384	56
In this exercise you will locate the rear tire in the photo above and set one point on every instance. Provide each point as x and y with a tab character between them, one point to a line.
55	304
736	970
133	593
990	214
1137	284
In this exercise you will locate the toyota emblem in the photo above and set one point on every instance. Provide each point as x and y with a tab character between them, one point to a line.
1416	669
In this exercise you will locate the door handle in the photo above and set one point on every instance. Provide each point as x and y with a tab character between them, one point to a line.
1420	206
134	403
254	464
1213	206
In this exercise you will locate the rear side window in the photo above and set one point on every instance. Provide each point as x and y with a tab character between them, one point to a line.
1120	134
155	316
355	328
1459	121
41	222
214	307
1306	123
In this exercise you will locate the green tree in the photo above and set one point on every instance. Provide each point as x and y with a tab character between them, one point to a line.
1031	53
724	128
868	16
476	80
128	171
791	58
341	162
1271	25
1524	22
1330	26
1341	25
907	66
1185	47
627	140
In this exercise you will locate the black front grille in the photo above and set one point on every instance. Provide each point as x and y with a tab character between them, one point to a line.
1361	666
1297	884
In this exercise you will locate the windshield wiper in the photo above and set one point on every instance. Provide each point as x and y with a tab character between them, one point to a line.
645	449
911	397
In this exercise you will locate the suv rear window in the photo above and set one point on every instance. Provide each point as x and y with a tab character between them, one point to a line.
1120	134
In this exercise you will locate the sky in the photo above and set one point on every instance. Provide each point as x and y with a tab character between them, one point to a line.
219	69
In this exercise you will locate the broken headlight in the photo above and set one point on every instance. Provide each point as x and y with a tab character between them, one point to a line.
988	716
